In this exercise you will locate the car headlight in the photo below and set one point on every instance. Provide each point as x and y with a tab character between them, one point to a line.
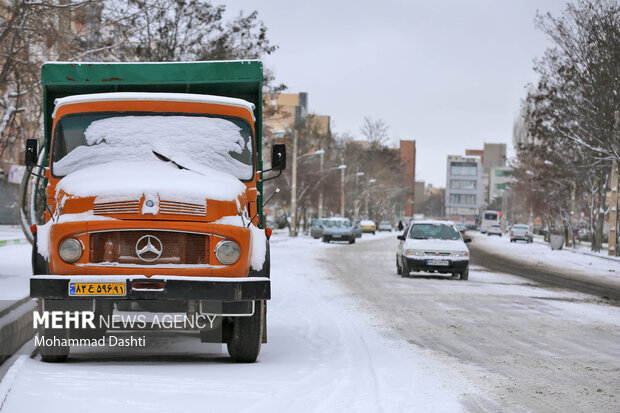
415	253
70	250
460	254
227	252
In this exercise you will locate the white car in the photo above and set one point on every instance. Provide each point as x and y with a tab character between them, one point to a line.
384	226
521	232
494	230
433	246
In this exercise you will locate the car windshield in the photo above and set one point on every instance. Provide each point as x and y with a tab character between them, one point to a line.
520	227
190	141
337	224
434	231
384	223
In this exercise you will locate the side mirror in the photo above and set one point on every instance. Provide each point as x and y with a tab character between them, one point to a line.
401	237
278	157
467	240
32	152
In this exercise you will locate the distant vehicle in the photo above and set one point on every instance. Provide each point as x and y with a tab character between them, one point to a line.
495	229
338	229
489	218
521	232
433	246
384	226
368	226
461	227
357	229
316	230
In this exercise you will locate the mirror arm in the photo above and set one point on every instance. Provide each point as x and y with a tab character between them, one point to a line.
30	168
271	177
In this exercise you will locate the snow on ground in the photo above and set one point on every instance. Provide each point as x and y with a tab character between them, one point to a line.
542	255
11	232
15	270
324	354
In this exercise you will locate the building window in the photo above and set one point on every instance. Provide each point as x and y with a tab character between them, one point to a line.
463	199
500	172
463	169
499	187
459	184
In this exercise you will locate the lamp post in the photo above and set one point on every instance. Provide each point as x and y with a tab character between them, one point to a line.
342	168
293	225
370	181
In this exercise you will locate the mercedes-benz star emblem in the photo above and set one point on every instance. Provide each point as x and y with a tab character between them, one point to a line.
149	248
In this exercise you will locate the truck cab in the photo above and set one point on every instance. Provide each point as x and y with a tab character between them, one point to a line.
153	197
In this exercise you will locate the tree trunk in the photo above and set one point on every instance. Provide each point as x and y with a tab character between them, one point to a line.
597	242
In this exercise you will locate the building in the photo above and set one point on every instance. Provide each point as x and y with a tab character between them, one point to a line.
492	156
418	197
464	197
499	178
407	160
289	108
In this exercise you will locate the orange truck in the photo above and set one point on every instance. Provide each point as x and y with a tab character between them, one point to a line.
153	199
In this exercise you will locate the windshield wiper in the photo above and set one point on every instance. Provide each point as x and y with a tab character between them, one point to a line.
166	159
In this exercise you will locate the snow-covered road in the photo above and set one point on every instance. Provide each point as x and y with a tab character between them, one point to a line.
348	334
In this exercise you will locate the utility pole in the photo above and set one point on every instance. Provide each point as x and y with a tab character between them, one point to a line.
293	225
343	167
613	205
573	195
321	186
64	29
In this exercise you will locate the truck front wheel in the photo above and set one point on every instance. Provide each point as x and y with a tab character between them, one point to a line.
51	351
247	334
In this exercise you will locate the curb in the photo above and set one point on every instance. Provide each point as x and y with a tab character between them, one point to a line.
16	327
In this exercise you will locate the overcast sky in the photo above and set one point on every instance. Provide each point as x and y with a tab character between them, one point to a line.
449	74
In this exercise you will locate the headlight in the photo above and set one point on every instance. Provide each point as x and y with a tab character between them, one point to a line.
460	254
70	250
415	253
227	252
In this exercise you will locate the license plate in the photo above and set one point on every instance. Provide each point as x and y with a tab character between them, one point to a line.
438	262
76	289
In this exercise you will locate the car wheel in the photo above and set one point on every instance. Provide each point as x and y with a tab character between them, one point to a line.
54	353
404	272
465	274
352	239
325	239
398	269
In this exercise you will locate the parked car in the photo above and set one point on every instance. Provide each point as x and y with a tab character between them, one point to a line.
521	232
494	230
384	226
316	230
433	246
368	226
461	227
338	229
357	229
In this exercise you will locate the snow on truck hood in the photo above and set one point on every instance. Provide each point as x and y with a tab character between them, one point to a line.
122	180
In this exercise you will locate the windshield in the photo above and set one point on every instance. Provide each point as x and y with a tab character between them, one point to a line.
434	231
490	216
520	227
337	224
195	142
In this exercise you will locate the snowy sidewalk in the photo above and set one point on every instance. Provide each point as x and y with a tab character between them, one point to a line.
11	235
571	264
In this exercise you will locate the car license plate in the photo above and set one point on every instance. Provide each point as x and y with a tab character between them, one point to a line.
443	263
76	289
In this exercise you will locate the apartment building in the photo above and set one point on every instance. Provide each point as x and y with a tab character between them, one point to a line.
464	193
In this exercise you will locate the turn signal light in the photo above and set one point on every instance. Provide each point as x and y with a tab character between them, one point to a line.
268	232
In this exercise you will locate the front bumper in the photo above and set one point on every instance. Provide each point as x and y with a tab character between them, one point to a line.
174	288
421	264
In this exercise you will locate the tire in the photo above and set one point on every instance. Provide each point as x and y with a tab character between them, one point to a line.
465	274
325	239
373	233
39	264
54	354
352	239
245	342
405	269
399	271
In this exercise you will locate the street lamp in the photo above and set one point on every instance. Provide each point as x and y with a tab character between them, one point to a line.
370	181
342	168
293	226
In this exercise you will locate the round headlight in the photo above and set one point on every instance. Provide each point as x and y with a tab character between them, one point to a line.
227	252
70	250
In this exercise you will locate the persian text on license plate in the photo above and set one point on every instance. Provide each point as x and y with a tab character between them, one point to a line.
438	262
96	289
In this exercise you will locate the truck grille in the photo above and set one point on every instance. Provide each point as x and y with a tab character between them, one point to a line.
182	208
148	248
122	207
